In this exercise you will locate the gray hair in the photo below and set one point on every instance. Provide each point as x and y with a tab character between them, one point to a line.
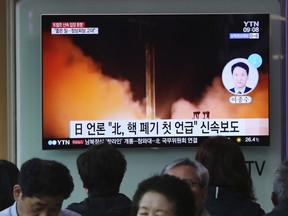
280	184
201	171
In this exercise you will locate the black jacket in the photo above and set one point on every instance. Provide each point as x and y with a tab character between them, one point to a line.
279	210
228	202
116	205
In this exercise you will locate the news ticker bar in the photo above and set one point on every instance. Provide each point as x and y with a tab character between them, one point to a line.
168	128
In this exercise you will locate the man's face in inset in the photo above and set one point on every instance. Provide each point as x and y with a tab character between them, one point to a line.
240	77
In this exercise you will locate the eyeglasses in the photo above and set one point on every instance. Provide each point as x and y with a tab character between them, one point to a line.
192	183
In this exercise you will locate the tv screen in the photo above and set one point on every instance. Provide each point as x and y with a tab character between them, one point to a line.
154	80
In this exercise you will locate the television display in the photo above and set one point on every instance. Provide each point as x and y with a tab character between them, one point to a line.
154	80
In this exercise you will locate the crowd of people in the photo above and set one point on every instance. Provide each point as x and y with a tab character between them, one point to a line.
215	183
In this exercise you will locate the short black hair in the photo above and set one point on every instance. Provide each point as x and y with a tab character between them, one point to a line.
175	190
241	65
8	178
39	177
101	168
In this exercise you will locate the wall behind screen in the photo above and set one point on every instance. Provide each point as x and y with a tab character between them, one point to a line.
142	163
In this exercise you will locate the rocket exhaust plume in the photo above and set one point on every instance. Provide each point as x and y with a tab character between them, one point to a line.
150	81
74	88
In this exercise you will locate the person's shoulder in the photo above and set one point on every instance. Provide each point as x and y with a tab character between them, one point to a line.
254	208
77	207
247	89
278	212
67	212
204	212
10	211
124	200
274	214
123	197
6	212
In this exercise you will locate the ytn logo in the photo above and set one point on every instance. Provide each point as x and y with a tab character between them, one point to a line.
251	23
58	142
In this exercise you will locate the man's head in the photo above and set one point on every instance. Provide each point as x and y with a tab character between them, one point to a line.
240	74
280	184
101	168
8	178
195	174
43	185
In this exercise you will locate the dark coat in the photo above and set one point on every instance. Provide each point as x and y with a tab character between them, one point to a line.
279	210
116	205
228	202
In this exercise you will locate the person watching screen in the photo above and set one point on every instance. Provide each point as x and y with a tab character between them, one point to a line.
279	195
197	177
101	169
163	195
8	178
42	187
230	190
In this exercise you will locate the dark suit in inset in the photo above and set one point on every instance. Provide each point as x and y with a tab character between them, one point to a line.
246	90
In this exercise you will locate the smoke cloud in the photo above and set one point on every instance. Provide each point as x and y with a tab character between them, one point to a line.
75	88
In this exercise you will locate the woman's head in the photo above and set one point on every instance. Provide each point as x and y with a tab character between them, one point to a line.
165	195
226	165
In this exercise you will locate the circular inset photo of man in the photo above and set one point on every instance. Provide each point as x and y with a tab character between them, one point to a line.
239	76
